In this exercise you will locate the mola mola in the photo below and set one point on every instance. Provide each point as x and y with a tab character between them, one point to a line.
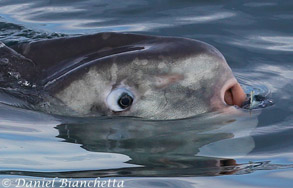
125	74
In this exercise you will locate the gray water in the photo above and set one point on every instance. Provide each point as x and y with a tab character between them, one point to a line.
254	149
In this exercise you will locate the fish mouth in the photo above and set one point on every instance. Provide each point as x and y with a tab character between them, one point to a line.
232	93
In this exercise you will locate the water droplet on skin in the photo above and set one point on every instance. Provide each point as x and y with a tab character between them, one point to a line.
14	74
26	83
4	61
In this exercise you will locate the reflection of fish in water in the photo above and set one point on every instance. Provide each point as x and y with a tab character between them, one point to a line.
199	146
123	74
185	145
130	147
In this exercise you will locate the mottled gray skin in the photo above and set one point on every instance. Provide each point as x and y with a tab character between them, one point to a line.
170	77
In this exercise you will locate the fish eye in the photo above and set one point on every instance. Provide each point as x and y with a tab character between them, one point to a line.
120	99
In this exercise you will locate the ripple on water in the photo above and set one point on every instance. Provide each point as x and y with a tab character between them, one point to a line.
275	43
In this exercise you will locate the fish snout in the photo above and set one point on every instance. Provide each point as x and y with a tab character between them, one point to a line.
233	94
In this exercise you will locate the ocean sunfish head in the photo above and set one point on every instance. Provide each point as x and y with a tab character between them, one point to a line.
134	75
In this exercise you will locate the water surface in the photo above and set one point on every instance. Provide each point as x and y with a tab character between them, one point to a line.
251	150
